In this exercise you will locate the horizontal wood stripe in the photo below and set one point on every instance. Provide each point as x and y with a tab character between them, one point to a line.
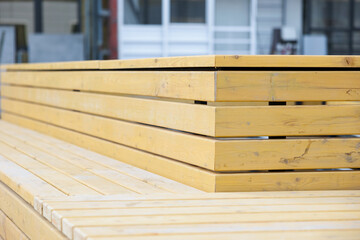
197	177
202	61
8	230
230	85
218	155
183	85
218	121
25	217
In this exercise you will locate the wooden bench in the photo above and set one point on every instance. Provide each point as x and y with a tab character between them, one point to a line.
203	121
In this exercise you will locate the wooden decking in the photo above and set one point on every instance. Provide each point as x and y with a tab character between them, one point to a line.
95	197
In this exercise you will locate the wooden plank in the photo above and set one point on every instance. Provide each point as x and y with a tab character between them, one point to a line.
288	85
212	121
182	116
287	120
184	85
88	182
86	232
51	176
24	183
202	61
70	224
128	182
77	65
187	174
8	230
145	176
230	85
290	61
289	235
218	155
25	217
274	181
197	177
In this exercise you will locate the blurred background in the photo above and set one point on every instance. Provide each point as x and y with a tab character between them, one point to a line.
68	30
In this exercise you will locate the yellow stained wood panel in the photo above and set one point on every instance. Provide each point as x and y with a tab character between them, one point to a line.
283	61
197	177
182	85
77	65
8	230
176	229
284	181
290	235
24	183
217	155
25	217
212	61
123	168
182	116
183	173
287	120
221	121
287	85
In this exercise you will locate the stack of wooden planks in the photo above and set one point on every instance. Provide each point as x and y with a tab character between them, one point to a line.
51	189
217	123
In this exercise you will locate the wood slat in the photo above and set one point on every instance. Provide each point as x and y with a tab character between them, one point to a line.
183	85
300	61
218	155
287	85
122	168
290	235
197	177
230	85
25	217
8	230
218	121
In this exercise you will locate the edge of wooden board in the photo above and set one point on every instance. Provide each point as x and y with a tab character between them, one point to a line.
202	61
194	176
25	217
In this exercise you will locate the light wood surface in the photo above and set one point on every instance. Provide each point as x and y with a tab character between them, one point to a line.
8	230
197	216
25	217
220	121
205	86
209	153
198	177
212	61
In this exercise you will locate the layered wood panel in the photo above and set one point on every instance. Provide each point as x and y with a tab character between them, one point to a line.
207	118
314	215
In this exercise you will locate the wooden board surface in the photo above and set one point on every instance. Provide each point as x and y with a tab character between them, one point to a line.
25	217
8	229
183	85
235	215
220	121
205	86
203	61
209	153
197	177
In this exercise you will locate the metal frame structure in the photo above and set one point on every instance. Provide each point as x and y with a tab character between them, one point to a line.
211	29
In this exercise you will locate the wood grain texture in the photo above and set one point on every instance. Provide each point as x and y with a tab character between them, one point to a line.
25	217
213	61
217	155
220	121
8	230
288	85
182	116
183	85
184	173
197	177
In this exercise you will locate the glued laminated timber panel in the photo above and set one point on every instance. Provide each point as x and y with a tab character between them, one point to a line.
198	177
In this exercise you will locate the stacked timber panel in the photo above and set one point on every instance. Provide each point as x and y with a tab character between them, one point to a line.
217	123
